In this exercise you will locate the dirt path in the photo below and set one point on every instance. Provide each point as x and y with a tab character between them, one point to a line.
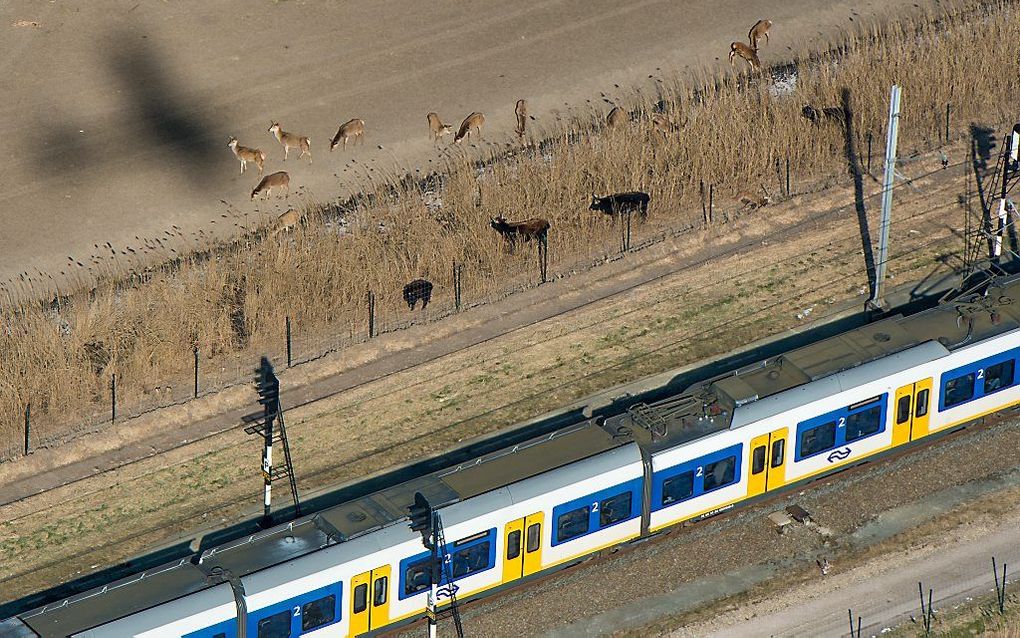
116	113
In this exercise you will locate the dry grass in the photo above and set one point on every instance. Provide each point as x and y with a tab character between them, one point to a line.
232	303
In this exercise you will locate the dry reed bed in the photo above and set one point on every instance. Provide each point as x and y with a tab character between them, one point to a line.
732	131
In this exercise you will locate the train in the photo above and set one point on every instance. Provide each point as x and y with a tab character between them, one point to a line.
514	514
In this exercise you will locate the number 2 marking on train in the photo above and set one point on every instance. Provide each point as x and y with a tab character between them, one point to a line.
842	421
981	373
701	471
595	506
297	611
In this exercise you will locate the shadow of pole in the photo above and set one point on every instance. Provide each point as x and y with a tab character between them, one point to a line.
854	166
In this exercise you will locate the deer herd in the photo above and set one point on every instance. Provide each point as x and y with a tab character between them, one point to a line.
512	231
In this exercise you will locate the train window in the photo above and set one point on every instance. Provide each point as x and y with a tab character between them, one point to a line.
903	409
864	423
318	613
999	376
379	589
817	439
758	460
513	544
471	559
573	523
921	408
720	473
417	577
275	626
220	635
360	598
614	509
959	390
778	450
677	488
534	537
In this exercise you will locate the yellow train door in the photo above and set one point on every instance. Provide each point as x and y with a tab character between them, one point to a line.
757	461
513	555
370	604
910	411
777	459
533	542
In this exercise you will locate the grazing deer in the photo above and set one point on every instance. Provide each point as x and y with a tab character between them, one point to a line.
245	155
613	205
279	180
617	117
747	53
662	124
527	230
436	127
760	29
521	111
418	289
473	121
286	221
351	129
752	201
290	140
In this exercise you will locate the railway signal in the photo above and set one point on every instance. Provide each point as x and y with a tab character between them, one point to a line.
268	387
426	520
421	519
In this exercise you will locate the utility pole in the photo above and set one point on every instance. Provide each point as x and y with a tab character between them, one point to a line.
892	132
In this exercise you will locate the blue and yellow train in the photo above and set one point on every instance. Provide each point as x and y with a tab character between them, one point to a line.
356	568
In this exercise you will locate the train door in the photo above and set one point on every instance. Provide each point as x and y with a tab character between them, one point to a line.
533	524
911	411
370	604
513	555
767	462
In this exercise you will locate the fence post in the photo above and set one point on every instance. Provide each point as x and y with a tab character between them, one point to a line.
113	398
456	285
948	106
195	351
787	175
1000	588
869	153
711	201
704	211
543	258
288	342
28	428
371	314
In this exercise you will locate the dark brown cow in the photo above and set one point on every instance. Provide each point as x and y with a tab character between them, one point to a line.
527	230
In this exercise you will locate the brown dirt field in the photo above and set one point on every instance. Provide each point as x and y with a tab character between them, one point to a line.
696	312
117	113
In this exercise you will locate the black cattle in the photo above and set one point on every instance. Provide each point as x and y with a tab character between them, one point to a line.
617	203
418	289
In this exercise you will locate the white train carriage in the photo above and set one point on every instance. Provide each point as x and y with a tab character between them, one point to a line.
356	568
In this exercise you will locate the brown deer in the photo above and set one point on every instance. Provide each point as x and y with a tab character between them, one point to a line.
753	201
662	124
759	30
527	230
617	118
286	221
473	121
280	180
747	53
436	127
351	129
245	155
290	140
521	111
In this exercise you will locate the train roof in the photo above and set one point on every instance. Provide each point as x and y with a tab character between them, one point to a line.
846	360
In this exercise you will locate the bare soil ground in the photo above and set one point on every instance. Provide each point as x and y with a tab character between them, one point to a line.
116	113
702	310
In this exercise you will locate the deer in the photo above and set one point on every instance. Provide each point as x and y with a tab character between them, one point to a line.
354	128
436	127
286	221
760	29
473	121
280	180
617	117
521	111
527	230
245	155
290	140
747	53
662	124
613	205
752	201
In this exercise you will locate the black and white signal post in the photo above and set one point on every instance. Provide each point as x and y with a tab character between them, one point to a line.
268	387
